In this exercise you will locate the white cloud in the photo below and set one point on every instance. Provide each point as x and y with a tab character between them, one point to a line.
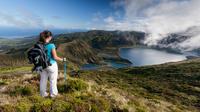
158	18
109	19
56	17
22	19
97	17
191	44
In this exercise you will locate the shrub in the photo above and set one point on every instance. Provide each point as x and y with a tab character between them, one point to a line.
77	85
99	104
117	109
44	106
23	107
7	108
94	108
81	106
61	106
72	85
3	82
36	98
23	91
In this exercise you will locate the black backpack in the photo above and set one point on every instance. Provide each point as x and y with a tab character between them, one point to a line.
38	56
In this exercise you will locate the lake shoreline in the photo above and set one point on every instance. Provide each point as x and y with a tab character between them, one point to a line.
149	56
111	56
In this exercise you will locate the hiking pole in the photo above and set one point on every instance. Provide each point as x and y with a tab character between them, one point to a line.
65	69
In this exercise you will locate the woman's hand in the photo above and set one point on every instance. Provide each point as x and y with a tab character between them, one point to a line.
64	60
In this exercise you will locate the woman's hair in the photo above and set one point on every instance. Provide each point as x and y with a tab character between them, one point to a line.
43	35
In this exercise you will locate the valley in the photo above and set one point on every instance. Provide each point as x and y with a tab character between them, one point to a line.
171	86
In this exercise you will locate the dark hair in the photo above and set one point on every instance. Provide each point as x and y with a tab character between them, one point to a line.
43	35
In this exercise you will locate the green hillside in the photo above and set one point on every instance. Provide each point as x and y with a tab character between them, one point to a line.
85	47
167	87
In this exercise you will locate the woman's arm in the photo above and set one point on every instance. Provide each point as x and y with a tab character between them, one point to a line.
55	55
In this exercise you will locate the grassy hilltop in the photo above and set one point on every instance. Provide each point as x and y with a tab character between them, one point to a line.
167	87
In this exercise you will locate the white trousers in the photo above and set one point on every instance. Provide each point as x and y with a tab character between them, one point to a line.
50	72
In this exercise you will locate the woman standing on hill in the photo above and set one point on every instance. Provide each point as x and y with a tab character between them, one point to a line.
50	72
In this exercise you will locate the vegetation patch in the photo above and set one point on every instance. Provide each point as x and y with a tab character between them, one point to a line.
3	82
14	69
23	107
21	90
43	106
72	85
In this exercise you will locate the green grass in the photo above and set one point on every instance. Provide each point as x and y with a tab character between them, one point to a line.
175	83
21	90
167	87
9	42
14	69
72	85
3	82
74	96
23	107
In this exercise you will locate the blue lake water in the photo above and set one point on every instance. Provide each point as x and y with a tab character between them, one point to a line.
147	56
140	57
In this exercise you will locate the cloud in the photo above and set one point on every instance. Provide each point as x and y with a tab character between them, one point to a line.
96	22
158	18
8	20
56	17
109	19
117	3
97	17
113	24
22	19
191	44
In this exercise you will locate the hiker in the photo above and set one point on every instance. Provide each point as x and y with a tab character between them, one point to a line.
51	71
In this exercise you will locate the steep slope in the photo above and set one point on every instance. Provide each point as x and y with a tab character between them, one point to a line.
78	52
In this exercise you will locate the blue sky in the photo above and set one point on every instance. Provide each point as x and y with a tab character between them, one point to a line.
76	14
156	17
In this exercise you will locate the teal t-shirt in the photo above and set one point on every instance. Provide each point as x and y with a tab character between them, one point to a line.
49	48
